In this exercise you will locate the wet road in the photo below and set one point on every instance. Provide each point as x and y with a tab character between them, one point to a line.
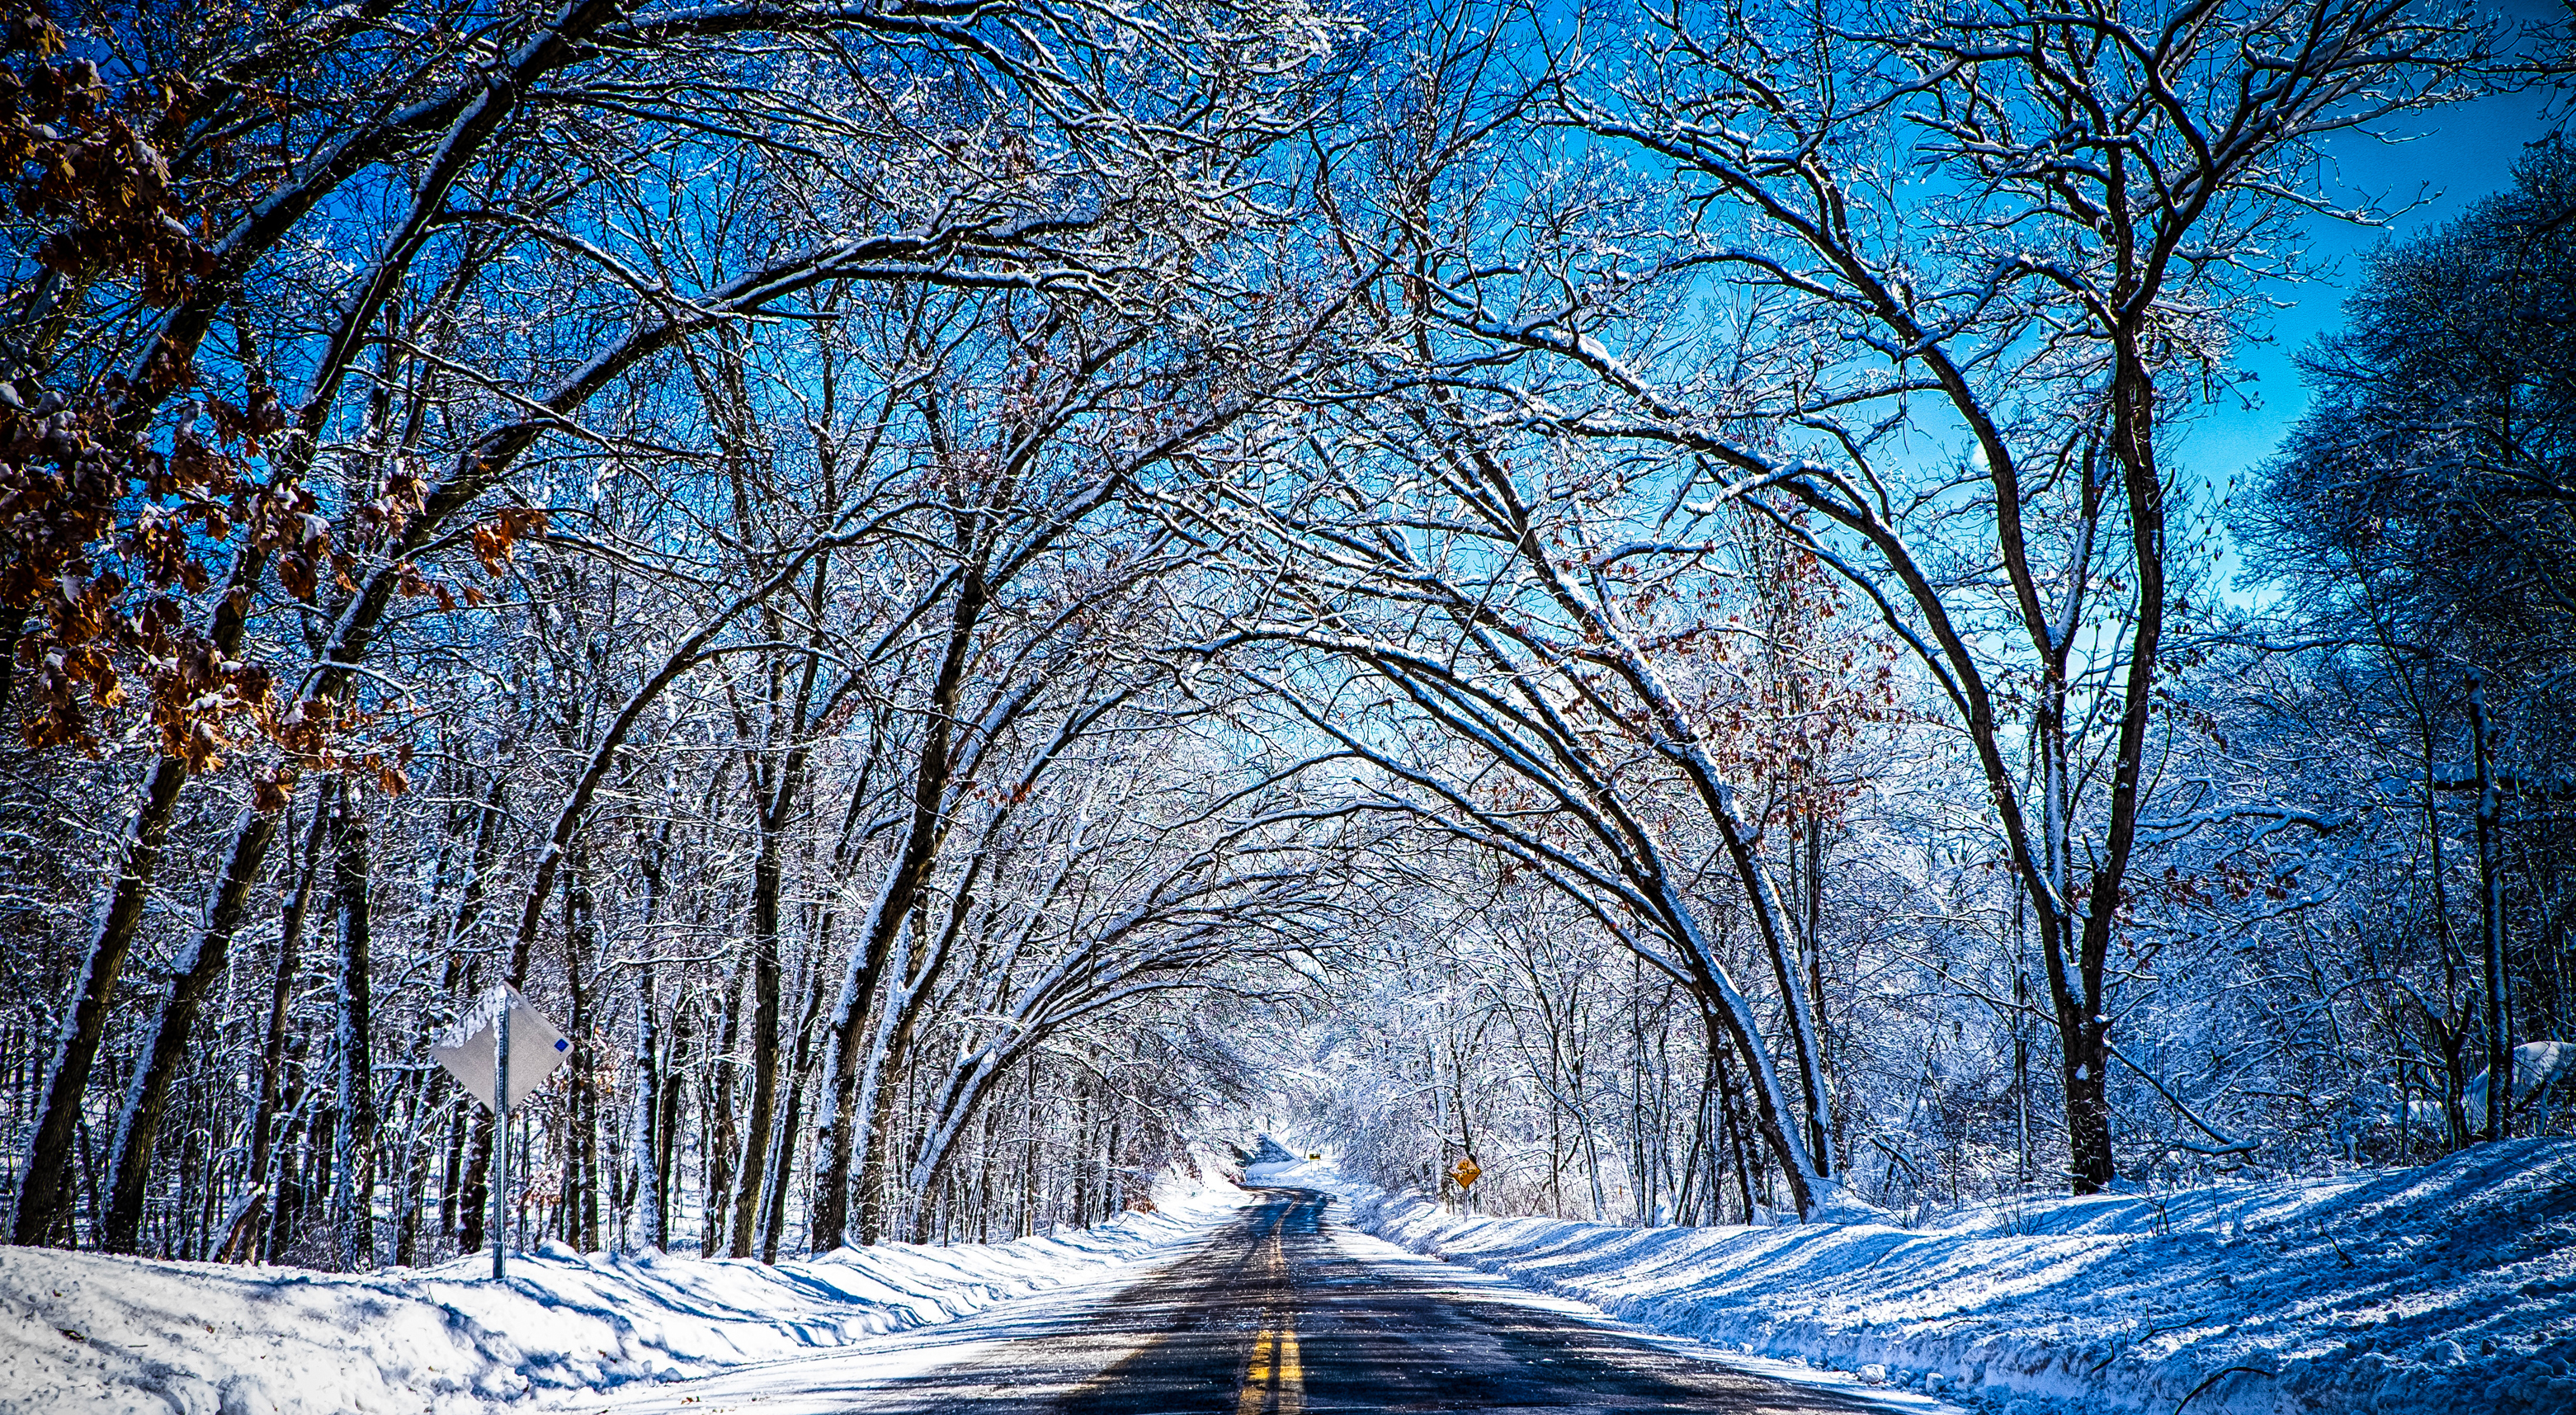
1273	1317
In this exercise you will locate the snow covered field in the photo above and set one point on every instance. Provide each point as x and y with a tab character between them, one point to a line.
86	1334
2442	1290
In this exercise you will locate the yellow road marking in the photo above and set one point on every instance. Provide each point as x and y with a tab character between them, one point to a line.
1256	1379
1275	1380
1292	1376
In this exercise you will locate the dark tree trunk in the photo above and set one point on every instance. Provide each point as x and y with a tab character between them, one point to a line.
2088	1115
924	833
129	1174
13	622
263	1171
2490	822
45	1186
775	1225
581	950
666	1130
720	1139
649	1175
767	879
415	1180
358	1123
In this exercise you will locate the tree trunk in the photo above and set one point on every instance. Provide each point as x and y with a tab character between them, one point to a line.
924	832
720	1140
885	1080
45	1187
2088	1106
651	1235
13	622
140	1126
767	878
666	1132
581	1154
265	1143
775	1226
2499	1097
415	1178
287	1193
357	1096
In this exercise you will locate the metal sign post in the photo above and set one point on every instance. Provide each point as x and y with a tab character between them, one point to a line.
501	1147
499	1051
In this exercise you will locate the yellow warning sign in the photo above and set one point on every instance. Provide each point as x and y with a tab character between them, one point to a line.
1465	1172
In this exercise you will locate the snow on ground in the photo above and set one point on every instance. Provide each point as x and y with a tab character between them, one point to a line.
1474	1285
2449	1288
88	1334
840	1381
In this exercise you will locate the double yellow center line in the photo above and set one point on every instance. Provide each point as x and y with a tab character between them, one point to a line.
1275	1381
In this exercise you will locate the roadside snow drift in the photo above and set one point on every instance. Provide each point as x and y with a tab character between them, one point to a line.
87	1334
2445	1289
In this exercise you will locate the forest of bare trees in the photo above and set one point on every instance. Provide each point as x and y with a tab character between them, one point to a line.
975	597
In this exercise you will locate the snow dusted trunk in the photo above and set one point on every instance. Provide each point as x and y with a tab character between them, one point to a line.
651	1234
676	1037
581	1207
650	1230
2499	1096
916	971
851	1058
1732	1021
879	1092
139	1126
45	1176
720	1136
354	1163
2085	1020
13	622
800	1073
251	1226
768	876
847	1062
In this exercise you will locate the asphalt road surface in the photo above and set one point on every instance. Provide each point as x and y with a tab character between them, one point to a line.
1272	1317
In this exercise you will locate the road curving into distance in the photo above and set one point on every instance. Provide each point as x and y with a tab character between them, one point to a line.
1272	1317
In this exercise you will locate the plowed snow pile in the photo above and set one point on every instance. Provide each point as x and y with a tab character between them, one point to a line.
2440	1290
86	1334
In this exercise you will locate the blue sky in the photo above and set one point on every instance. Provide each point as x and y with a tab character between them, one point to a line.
2462	154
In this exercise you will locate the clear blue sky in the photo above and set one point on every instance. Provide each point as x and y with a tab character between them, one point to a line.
2464	153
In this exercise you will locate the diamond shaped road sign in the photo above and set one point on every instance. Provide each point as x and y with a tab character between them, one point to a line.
470	1049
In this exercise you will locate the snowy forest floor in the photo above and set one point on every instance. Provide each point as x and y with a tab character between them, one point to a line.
2447	1288
87	1334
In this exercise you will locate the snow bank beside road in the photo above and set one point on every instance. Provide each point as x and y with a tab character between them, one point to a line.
86	1334
2446	1289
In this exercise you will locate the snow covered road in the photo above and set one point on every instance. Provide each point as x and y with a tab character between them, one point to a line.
1276	1313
